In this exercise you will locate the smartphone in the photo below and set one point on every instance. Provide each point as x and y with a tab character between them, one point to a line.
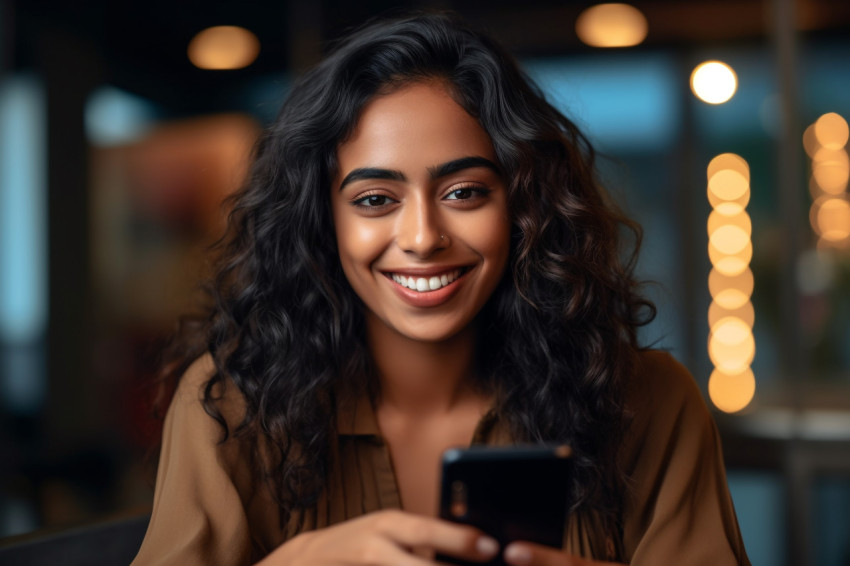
511	493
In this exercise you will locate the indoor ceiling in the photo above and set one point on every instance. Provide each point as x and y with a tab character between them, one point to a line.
141	46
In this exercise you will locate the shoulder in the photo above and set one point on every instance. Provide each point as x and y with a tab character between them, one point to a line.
660	381
664	405
191	401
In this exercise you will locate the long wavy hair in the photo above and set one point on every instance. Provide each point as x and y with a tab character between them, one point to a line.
558	335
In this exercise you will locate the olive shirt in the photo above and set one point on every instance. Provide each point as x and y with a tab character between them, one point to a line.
208	509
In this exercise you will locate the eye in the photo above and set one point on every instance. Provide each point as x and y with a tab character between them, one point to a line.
373	201
468	192
460	194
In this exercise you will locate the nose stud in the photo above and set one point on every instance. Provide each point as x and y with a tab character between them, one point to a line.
442	236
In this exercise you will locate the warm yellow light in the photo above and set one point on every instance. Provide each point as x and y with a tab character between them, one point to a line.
810	142
730	265
729	239
714	82
731	392
728	209
831	131
830	218
611	25
731	330
223	47
742	201
831	170
746	313
717	220
728	185
728	161
731	299
719	283
732	346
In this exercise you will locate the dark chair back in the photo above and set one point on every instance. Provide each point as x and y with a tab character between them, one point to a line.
112	543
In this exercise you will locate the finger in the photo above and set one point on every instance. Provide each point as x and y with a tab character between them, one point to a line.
529	554
459	541
384	552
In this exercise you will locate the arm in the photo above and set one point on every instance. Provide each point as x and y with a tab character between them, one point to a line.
678	509
198	516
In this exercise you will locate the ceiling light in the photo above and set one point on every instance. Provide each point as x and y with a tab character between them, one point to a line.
611	25
223	47
714	82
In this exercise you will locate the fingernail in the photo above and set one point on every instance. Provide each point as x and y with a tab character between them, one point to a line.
486	546
517	555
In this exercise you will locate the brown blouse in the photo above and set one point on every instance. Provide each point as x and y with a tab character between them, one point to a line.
208	510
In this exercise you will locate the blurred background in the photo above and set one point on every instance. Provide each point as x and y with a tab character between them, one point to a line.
123	124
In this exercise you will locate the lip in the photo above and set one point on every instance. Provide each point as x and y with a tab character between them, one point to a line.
427	299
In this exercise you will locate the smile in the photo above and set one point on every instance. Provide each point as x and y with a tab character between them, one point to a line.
426	284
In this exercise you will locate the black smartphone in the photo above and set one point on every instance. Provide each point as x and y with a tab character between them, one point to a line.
511	493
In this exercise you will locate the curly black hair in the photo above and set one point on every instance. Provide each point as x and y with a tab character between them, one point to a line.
559	333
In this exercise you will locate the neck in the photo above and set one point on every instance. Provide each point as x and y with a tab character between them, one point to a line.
418	377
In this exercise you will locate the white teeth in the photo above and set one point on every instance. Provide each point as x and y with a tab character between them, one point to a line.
421	284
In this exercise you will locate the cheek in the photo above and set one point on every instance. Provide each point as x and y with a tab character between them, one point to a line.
359	243
490	235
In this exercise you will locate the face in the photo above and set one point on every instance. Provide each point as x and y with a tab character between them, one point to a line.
420	212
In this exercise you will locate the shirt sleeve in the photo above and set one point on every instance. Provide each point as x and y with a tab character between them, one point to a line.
678	509
198	514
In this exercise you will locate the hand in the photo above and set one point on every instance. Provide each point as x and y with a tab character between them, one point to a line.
388	538
529	554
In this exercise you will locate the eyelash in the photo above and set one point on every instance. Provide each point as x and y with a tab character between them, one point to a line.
361	199
477	191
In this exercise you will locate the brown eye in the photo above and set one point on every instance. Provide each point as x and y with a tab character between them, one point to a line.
460	194
466	193
373	201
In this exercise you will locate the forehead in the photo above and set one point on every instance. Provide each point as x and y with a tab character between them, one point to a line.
416	125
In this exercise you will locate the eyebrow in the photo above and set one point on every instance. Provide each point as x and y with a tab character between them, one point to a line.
435	172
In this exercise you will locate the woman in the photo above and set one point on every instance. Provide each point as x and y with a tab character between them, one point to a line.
421	258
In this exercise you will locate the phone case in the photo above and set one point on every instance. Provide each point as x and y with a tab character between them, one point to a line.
510	493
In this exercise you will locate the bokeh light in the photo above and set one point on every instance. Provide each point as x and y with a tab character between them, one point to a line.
731	345
611	25
714	82
831	131
831	170
730	264
825	141
831	218
729	161
719	282
731	392
810	142
729	239
738	218
746	313
223	47
728	185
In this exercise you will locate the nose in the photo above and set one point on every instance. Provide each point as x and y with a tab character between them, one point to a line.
419	230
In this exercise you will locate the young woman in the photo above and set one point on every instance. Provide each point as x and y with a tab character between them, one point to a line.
422	258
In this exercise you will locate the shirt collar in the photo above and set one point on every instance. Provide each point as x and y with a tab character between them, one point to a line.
357	418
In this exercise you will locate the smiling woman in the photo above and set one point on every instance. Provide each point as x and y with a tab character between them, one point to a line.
421	200
422	259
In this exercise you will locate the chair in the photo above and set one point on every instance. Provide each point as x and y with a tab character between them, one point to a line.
111	543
